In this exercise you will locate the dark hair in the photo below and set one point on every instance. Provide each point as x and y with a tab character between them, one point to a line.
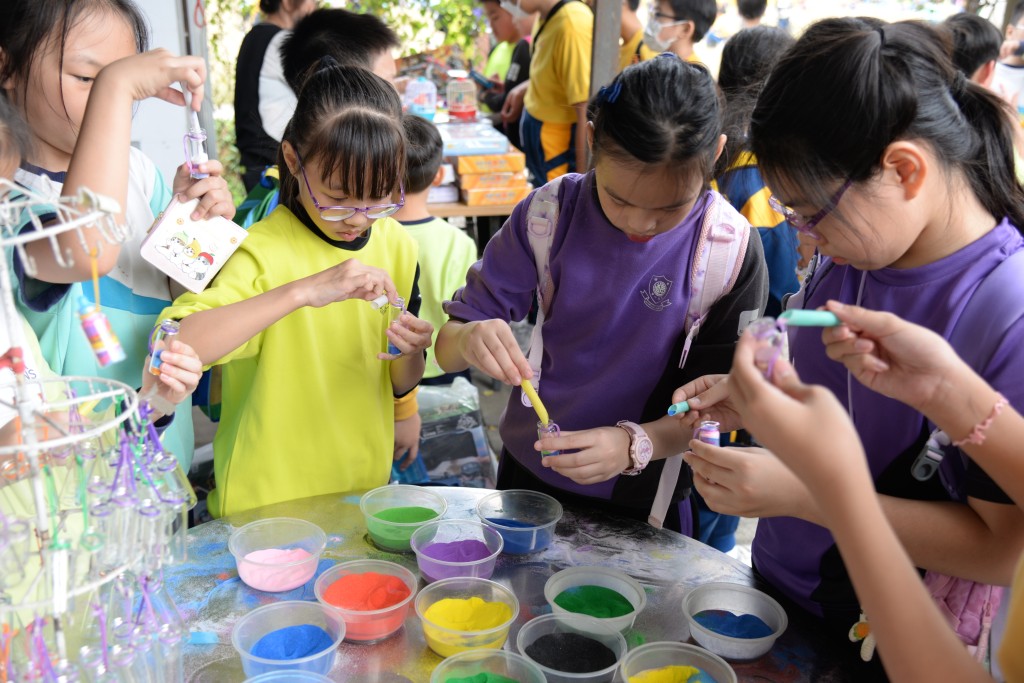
975	41
351	39
270	6
747	59
423	153
350	120
634	5
663	111
849	88
14	137
701	12
752	9
31	26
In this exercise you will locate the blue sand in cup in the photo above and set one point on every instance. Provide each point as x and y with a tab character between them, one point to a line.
292	642
519	542
726	623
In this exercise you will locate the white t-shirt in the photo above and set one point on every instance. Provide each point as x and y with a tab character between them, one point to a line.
277	99
1008	83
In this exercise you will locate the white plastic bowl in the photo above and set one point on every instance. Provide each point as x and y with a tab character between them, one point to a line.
654	656
620	582
737	599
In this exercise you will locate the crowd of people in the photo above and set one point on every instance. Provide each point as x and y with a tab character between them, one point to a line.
878	162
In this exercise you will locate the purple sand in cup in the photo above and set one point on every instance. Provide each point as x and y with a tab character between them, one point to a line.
292	642
726	623
469	550
519	542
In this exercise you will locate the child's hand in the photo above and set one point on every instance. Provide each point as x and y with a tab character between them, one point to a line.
407	440
891	356
180	371
710	401
151	74
598	454
490	346
215	196
789	418
410	334
348	280
512	110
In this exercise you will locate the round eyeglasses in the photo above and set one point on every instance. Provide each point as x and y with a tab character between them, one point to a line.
341	213
807	225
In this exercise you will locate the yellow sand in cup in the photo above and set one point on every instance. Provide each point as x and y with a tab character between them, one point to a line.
666	674
454	625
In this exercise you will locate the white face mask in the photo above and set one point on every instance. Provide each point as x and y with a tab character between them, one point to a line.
653	31
514	9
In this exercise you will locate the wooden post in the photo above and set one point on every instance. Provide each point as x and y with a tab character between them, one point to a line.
605	54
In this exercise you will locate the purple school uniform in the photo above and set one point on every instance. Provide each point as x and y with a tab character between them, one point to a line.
800	558
615	318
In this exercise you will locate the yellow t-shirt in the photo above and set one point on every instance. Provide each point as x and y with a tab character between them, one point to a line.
560	65
1011	654
308	408
628	51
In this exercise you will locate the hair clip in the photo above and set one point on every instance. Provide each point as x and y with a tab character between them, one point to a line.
610	93
671	54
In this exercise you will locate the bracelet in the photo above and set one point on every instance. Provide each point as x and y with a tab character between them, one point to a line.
977	435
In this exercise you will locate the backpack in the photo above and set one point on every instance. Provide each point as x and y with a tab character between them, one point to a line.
968	606
721	247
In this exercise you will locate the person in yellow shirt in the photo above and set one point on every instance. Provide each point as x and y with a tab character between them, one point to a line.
677	25
551	107
631	32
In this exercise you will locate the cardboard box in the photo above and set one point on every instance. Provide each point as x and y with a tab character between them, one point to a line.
510	162
472	138
495	196
443	194
476	181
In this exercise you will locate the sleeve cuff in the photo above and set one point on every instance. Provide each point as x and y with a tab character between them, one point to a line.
406	405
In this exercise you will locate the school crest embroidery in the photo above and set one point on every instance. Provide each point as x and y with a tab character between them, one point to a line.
655	296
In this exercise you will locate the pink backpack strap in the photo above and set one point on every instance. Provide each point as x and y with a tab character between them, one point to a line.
717	262
541	222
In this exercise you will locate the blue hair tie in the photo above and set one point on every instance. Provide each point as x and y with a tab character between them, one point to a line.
670	54
610	93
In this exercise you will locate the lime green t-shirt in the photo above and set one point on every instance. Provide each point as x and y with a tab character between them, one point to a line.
308	408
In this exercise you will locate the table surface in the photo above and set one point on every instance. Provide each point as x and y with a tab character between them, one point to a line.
449	209
211	597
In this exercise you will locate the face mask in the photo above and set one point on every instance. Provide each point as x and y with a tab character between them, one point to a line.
652	33
514	9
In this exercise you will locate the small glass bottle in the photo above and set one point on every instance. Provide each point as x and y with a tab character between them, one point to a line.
548	429
99	333
395	311
708	433
159	340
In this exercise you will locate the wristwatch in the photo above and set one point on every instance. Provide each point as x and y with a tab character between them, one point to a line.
640	447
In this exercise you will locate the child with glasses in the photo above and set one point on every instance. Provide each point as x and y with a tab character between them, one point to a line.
308	389
677	25
626	243
904	182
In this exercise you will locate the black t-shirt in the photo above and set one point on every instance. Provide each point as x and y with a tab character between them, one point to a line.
257	149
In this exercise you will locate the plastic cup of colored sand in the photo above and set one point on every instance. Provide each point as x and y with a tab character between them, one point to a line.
456	547
269	620
495	664
597	648
277	554
599	592
369	625
443	605
719	598
289	677
393	513
645	663
525	519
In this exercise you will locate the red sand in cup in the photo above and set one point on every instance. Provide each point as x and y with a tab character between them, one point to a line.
367	593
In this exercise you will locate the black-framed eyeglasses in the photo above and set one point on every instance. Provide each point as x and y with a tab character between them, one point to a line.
341	213
807	225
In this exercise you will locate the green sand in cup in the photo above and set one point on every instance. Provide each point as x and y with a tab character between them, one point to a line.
392	536
594	601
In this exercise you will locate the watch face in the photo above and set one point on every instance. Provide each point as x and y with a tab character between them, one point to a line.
644	451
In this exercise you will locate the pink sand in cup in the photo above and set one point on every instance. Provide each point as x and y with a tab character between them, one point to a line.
276	569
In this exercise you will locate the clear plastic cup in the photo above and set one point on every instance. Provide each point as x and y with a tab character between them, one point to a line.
653	656
455	531
525	519
277	533
369	626
289	677
263	620
447	641
472	662
620	582
737	599
394	535
576	624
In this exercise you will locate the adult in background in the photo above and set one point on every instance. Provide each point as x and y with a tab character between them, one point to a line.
508	64
258	92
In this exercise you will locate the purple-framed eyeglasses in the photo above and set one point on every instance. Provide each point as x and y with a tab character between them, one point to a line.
807	225
340	213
